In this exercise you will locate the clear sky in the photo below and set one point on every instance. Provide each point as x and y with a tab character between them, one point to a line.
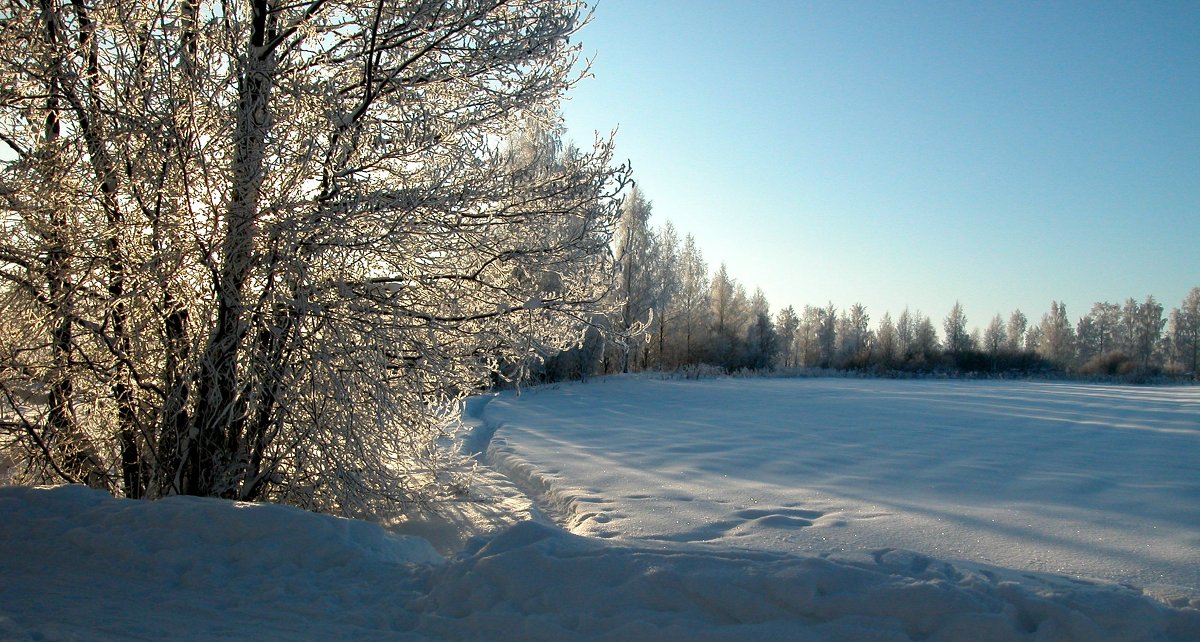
1002	154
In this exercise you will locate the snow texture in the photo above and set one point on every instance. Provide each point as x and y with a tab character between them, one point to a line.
768	532
1085	480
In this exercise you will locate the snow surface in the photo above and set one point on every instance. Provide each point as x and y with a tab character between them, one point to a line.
709	525
1086	480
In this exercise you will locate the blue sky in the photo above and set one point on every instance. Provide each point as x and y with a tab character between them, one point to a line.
913	153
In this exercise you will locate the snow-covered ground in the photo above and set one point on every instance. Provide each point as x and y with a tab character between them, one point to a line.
820	509
1092	481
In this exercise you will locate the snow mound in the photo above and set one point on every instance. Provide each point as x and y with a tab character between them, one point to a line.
547	584
79	565
235	536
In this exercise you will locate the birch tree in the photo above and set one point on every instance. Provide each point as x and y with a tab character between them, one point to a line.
853	340
1185	332
1057	338
995	337
693	301
787	325
888	341
957	339
665	255
260	249
762	338
638	287
905	333
1018	323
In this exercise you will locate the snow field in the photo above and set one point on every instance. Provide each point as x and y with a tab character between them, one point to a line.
710	537
1083	480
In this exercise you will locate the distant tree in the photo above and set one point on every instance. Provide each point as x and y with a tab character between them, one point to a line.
887	341
1033	338
1098	332
693	301
1057	340
1186	332
1127	328
994	338
1107	319
925	341
827	322
957	339
1017	326
787	324
638	286
665	256
1172	358
905	333
1148	329
723	316
762	341
853	337
1087	339
808	336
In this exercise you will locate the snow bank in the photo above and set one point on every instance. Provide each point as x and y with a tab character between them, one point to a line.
78	565
540	583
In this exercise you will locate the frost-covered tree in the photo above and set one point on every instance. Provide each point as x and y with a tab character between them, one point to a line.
807	336
1057	338
827	322
665	257
1106	317
259	249
1147	332
1087	339
1033	338
787	325
1127	327
729	316
853	336
1185	332
1018	324
639	287
905	332
925	342
957	339
762	342
693	301
887	340
994	337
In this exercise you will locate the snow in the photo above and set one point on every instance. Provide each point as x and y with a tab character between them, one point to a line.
635	508
1086	480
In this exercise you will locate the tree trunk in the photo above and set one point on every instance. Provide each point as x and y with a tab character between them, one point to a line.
220	414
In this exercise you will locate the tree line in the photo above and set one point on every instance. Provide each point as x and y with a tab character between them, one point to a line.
685	317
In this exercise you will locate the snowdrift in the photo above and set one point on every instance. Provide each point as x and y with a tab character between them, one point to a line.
79	565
